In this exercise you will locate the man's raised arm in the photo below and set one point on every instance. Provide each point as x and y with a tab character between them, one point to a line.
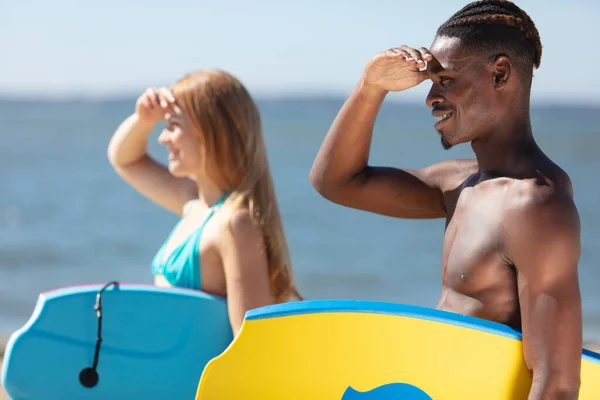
341	172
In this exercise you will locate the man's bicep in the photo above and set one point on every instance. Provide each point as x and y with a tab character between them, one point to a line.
403	193
552	327
544	244
397	193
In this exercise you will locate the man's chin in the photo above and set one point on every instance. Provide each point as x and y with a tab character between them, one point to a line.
445	143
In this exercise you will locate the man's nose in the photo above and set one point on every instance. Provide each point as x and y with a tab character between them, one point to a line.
435	96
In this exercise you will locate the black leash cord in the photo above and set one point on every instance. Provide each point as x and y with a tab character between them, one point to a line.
88	377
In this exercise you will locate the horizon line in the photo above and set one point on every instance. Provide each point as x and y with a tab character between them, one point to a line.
45	97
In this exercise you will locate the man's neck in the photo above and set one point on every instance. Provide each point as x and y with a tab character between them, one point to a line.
509	151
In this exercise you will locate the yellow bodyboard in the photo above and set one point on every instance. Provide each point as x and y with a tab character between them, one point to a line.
347	350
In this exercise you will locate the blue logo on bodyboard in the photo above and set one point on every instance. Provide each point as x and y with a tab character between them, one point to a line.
390	391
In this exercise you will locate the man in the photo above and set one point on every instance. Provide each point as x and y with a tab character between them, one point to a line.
512	239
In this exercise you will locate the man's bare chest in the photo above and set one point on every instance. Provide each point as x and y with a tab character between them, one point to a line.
472	255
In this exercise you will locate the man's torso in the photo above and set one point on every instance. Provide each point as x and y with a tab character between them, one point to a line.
478	279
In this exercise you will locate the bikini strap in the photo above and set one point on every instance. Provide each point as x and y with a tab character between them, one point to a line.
218	204
221	200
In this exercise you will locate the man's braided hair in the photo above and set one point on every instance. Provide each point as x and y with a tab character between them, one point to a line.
497	27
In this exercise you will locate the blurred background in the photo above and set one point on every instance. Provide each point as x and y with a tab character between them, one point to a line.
70	72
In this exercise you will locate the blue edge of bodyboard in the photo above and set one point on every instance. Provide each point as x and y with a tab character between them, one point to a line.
375	307
130	287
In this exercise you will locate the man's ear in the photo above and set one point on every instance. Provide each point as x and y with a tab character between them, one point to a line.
501	70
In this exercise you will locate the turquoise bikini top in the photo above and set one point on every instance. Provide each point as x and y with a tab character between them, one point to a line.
182	267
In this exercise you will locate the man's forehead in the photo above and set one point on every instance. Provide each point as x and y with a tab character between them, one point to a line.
449	54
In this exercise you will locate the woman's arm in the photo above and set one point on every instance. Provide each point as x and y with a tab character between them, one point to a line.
127	153
246	267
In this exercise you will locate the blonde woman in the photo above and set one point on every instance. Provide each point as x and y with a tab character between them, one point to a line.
230	239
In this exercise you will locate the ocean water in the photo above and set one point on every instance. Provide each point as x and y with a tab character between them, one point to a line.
66	218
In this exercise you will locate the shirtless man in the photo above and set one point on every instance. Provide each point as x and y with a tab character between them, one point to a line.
512	238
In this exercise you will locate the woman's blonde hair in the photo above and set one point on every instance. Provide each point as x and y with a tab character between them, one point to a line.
234	154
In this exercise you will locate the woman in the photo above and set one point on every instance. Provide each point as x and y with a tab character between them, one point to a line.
230	239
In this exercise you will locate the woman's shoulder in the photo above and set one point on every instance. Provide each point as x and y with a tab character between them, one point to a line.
238	227
237	220
240	237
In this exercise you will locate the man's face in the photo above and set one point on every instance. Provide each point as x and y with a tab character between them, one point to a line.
462	95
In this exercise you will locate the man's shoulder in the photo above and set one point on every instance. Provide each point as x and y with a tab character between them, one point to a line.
453	173
541	201
458	165
541	226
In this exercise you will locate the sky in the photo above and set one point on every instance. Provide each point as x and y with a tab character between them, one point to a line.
66	48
